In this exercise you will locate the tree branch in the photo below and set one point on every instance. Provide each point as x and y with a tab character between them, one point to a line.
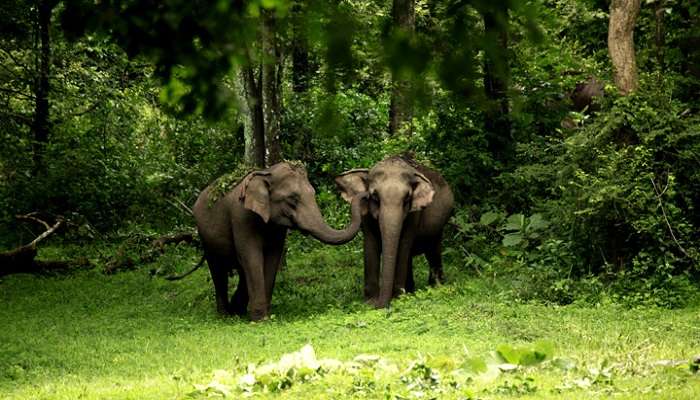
19	93
663	211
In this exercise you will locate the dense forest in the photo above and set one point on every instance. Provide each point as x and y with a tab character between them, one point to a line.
567	130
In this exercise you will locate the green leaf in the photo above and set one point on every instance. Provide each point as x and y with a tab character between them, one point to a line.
545	348
515	222
508	353
512	239
537	222
474	365
489	218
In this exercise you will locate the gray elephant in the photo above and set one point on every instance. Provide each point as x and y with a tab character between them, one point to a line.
246	228
408	208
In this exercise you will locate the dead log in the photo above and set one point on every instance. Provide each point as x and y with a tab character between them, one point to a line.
23	258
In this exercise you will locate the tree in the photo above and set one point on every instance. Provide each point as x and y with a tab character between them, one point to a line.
623	16
496	76
301	68
401	109
271	84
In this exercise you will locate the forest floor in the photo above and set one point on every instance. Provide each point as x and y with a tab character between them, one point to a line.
134	336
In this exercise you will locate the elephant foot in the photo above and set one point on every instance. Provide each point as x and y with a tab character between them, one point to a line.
258	314
236	310
377	303
222	309
435	282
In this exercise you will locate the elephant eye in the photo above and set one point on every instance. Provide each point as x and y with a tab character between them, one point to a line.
293	201
374	196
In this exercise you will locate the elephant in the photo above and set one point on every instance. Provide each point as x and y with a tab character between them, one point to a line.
408	208
246	228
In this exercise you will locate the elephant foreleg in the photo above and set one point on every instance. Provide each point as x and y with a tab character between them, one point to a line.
249	248
274	252
372	252
402	282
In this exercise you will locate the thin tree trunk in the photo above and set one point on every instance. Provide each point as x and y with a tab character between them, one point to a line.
401	108
300	53
255	138
41	124
660	39
496	77
623	15
271	89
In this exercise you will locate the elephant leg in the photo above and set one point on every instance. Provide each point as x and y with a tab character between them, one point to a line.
249	247
410	283
239	300
434	257
372	250
404	258
219	276
274	253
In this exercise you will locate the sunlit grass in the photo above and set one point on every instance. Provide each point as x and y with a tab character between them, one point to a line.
132	335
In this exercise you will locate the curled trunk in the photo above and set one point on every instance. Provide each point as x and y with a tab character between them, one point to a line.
321	231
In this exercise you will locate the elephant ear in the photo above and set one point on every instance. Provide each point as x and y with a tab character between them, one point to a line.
256	194
352	182
423	192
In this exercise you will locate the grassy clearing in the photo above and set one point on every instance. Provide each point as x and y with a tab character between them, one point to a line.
133	336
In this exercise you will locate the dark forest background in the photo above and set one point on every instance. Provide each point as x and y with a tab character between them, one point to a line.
569	130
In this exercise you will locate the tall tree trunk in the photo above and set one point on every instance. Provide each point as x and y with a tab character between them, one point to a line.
496	77
623	15
271	89
300	52
660	39
41	123
401	108
255	135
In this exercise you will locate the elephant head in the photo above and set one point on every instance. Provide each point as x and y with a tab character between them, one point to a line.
396	189
282	194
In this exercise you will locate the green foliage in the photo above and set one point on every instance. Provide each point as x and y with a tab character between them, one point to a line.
148	334
226	182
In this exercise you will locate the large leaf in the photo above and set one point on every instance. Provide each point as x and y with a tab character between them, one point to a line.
490	218
537	222
512	239
515	222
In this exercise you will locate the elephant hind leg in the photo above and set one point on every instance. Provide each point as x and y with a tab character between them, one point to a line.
218	267
434	256
239	300
410	283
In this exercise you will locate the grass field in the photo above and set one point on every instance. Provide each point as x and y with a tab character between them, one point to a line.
134	336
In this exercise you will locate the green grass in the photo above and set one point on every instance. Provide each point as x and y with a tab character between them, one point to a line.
134	336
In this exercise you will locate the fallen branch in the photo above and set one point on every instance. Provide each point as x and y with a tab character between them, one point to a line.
22	259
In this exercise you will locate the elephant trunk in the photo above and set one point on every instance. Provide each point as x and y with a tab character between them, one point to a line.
390	224
319	229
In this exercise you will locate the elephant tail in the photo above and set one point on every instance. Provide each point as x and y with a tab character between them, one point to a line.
178	277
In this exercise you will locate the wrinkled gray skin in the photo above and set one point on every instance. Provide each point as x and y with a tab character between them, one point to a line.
408	208
245	230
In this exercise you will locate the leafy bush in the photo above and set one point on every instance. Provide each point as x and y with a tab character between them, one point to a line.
622	190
